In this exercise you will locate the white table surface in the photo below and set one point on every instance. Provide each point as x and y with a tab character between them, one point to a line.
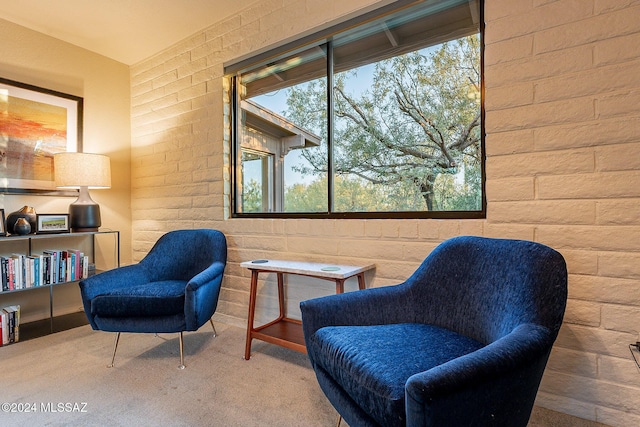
328	270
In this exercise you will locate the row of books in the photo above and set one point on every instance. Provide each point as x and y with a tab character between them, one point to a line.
20	271
9	325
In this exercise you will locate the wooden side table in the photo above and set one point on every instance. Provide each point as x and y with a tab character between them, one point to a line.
284	331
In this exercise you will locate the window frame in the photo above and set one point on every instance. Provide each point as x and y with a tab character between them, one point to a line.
319	37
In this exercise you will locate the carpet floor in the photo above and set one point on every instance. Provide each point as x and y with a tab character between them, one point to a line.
62	380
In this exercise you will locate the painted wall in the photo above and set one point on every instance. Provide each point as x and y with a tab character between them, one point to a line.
34	58
563	168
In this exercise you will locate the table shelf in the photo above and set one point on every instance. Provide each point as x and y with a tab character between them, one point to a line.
284	331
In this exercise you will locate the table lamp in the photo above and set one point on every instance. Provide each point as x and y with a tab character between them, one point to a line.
83	171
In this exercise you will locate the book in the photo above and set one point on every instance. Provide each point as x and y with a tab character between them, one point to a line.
62	273
46	269
53	265
4	270
16	325
11	318
36	270
74	264
18	271
29	272
85	266
11	268
5	327
10	324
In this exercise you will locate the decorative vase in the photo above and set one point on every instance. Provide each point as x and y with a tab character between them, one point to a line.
22	227
28	213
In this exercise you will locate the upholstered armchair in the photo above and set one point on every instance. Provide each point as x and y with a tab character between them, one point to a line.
463	341
174	288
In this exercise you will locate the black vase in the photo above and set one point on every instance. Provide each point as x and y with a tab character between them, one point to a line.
22	227
27	213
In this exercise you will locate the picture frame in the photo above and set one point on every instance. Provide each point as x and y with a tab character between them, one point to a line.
41	122
3	230
52	223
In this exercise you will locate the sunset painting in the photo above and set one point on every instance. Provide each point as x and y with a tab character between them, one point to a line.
34	131
33	127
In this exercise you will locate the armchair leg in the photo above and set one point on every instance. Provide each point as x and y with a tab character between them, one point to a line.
215	334
181	353
115	347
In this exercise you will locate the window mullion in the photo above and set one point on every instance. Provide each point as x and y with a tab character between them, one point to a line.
330	126
235	146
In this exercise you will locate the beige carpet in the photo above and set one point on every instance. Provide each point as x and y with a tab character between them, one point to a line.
276	387
46	377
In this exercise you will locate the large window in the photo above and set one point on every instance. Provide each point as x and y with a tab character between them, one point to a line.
379	117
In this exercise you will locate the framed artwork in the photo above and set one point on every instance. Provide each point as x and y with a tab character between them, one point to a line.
36	123
52	223
3	231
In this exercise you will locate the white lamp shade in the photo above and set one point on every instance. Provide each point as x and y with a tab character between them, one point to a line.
75	170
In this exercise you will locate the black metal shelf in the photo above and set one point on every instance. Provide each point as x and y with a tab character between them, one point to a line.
53	322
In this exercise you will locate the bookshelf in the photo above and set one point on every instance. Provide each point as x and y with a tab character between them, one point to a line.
100	251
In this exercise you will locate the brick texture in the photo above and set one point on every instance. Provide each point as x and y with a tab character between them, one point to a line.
562	81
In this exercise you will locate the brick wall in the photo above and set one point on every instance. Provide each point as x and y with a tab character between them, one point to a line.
562	83
563	143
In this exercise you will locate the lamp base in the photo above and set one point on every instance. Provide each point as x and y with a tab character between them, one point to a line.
84	217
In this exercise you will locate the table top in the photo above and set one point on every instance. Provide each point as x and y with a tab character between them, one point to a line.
331	271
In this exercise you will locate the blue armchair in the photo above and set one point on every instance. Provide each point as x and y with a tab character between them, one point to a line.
174	288
463	341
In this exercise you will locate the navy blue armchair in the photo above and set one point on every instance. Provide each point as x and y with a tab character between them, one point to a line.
464	341
174	288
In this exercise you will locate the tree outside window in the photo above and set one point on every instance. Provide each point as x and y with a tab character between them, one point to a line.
399	131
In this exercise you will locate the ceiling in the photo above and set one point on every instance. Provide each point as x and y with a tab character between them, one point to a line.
127	31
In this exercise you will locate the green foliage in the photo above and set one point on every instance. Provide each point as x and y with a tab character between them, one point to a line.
409	142
252	197
307	198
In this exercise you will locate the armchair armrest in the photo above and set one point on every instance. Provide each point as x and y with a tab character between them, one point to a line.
201	295
210	273
501	378
372	306
117	278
